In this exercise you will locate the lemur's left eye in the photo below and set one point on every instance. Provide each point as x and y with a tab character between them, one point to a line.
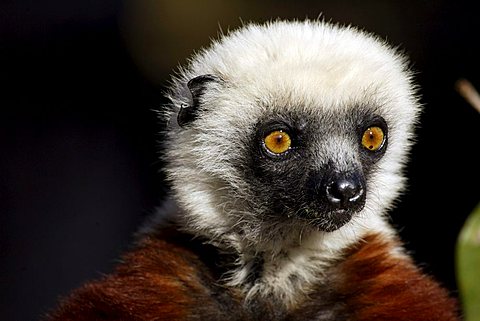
277	142
373	138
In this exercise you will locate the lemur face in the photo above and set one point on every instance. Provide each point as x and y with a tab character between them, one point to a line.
314	167
289	165
286	128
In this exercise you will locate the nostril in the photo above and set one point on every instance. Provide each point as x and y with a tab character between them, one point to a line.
344	191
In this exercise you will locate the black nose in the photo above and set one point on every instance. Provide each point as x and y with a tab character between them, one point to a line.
345	190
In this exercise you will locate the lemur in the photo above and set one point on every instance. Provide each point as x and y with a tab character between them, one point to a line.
285	146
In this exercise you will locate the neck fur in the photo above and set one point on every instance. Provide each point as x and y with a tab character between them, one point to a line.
288	274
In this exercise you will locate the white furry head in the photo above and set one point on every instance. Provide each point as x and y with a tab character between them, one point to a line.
322	84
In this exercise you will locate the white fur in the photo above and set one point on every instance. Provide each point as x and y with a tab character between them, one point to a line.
313	66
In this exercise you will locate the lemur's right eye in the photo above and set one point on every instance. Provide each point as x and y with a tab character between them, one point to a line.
277	142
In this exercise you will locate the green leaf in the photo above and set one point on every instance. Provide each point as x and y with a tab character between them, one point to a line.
468	266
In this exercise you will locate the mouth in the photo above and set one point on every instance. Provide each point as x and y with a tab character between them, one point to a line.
327	221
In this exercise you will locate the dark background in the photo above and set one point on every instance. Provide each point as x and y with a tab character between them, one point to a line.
79	167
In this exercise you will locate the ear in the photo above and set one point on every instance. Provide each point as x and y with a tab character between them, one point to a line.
197	87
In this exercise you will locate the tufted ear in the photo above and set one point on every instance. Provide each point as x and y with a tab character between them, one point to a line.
197	86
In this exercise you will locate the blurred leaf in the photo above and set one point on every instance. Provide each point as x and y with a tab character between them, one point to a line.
468	266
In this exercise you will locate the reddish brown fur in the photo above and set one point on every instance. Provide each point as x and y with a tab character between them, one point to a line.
379	286
168	279
158	281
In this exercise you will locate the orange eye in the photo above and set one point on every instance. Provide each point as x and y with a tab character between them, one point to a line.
277	142
373	138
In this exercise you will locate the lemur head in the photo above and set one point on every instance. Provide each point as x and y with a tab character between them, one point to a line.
289	128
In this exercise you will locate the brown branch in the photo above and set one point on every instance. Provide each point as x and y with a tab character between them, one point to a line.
468	91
